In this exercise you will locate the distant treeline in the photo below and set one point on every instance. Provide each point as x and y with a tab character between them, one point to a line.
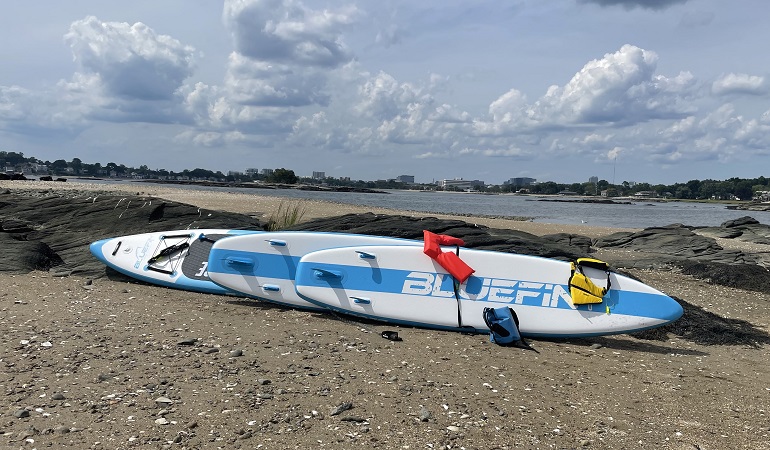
730	189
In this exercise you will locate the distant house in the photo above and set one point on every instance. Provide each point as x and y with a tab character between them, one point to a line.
762	196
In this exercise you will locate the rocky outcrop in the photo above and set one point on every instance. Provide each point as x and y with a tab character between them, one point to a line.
676	243
746	229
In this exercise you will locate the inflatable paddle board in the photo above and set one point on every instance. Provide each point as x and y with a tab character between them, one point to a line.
403	285
176	259
264	265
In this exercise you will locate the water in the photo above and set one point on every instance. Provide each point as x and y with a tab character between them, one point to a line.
633	215
637	214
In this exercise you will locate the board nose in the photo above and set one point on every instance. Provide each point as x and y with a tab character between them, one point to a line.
671	310
96	248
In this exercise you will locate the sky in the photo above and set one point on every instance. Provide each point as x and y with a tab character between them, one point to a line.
656	91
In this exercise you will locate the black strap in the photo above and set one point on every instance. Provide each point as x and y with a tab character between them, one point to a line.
456	287
155	269
168	251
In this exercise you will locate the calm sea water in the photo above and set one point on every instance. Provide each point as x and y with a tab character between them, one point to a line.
634	215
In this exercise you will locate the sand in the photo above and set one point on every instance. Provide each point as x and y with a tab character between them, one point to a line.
108	364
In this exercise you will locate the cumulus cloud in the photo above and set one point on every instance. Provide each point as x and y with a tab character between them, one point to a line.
288	32
740	83
383	97
132	61
619	89
260	83
24	111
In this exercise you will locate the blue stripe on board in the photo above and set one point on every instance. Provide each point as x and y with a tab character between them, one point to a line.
417	284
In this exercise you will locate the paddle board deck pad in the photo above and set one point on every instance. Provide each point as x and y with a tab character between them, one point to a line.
403	285
176	259
264	265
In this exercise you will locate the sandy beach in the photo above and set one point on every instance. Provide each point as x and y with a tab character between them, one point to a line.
113	364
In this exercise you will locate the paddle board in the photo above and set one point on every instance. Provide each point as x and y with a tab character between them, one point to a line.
176	259
403	285
264	265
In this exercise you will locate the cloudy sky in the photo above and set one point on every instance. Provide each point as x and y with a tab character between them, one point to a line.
659	91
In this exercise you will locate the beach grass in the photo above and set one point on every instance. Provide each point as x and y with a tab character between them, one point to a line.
287	214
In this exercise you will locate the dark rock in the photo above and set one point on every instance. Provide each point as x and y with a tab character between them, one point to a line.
746	229
46	178
675	243
13	225
21	256
745	220
719	232
674	240
581	242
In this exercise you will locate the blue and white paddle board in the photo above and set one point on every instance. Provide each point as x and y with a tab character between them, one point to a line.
403	285
264	265
176	259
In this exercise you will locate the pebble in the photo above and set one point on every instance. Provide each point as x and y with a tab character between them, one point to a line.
425	415
163	401
21	413
342	408
161	421
236	353
57	396
190	341
453	428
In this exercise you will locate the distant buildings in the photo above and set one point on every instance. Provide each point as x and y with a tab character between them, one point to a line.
520	182
460	185
408	179
319	175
